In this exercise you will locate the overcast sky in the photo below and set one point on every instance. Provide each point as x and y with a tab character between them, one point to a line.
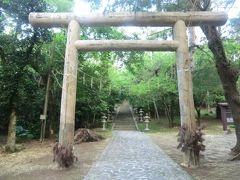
82	8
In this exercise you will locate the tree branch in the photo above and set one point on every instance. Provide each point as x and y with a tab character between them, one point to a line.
205	52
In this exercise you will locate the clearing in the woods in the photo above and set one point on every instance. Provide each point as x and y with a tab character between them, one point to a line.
125	155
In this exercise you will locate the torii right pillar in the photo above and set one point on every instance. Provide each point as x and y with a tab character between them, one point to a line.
185	88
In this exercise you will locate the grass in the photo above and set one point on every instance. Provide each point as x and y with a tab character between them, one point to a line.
212	125
161	125
106	134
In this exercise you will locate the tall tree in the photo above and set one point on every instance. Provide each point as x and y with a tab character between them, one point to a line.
227	72
15	61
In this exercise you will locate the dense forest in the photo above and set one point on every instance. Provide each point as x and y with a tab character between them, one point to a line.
32	59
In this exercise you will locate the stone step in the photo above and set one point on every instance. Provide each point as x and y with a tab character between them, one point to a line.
123	119
123	122
129	128
120	125
126	129
117	125
123	126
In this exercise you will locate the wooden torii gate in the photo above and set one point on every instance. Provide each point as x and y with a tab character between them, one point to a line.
177	20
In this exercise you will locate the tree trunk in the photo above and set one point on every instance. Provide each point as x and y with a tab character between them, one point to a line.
207	103
168	113
11	139
198	116
52	116
43	126
172	112
198	113
94	118
228	75
185	90
156	110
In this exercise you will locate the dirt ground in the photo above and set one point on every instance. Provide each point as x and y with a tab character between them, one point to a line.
214	163
35	162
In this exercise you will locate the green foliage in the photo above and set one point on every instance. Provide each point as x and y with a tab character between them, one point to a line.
232	48
207	91
207	87
162	125
18	50
17	12
156	78
29	55
61	5
93	97
23	134
235	28
149	5
152	81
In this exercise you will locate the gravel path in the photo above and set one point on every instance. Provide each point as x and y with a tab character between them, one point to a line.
132	155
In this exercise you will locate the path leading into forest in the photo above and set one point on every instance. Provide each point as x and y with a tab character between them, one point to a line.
131	155
124	119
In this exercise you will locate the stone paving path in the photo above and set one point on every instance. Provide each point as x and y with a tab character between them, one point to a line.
133	156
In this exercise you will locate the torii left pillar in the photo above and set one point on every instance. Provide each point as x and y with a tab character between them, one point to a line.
69	88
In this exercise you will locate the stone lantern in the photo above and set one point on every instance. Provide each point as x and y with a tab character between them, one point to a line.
104	121
146	120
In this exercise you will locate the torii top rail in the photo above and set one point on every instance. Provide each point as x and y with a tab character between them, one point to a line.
128	19
159	19
177	20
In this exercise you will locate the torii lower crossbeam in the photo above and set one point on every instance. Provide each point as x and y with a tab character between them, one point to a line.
126	45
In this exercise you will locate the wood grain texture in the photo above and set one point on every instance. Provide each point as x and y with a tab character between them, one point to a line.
159	19
126	45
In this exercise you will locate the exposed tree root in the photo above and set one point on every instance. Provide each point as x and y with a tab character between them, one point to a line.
235	149
86	135
235	157
63	155
191	143
235	153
